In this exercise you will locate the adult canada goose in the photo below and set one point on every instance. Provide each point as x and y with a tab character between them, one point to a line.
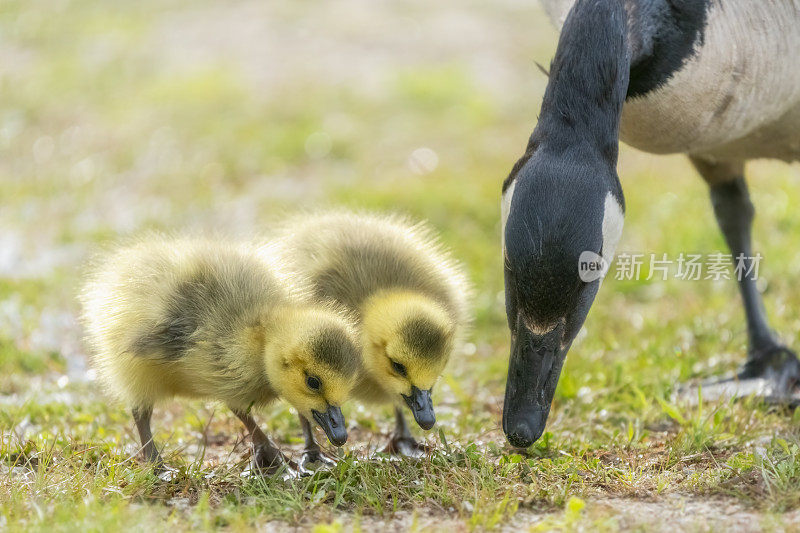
406	293
718	80
215	320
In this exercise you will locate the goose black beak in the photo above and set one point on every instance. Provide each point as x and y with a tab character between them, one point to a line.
533	372
332	422
422	406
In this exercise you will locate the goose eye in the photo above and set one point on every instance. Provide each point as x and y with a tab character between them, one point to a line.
399	368
313	383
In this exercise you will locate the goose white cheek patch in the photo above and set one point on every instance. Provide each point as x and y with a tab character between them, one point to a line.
613	220
505	209
592	266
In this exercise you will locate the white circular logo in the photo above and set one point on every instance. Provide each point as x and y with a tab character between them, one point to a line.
591	266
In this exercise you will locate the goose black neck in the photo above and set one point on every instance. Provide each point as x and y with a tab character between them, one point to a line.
588	80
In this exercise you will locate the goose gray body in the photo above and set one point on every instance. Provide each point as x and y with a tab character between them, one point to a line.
737	96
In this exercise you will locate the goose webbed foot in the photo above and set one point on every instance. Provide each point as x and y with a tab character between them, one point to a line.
771	373
406	446
778	365
313	461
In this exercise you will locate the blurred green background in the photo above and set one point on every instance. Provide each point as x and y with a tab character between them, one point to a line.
120	117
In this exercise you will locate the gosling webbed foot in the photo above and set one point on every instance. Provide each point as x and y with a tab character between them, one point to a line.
267	461
285	472
161	470
165	473
406	446
313	461
266	458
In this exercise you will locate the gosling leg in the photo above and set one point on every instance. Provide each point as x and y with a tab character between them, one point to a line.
267	458
402	442
312	458
141	416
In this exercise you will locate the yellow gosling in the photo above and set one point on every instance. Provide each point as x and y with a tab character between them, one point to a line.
200	318
407	293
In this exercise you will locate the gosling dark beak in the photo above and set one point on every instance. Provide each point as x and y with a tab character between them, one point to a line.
422	406
332	422
533	372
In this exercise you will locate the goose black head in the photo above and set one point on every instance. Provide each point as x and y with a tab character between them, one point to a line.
563	217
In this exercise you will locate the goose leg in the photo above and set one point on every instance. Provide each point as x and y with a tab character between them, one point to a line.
313	457
766	357
401	441
267	458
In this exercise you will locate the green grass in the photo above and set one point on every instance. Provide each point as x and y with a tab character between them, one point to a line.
110	125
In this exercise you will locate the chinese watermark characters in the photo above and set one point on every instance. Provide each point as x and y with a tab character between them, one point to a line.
686	266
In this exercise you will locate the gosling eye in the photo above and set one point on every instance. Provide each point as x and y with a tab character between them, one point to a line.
399	368
313	383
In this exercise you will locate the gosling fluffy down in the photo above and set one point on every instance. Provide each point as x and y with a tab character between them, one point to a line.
201	318
408	294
